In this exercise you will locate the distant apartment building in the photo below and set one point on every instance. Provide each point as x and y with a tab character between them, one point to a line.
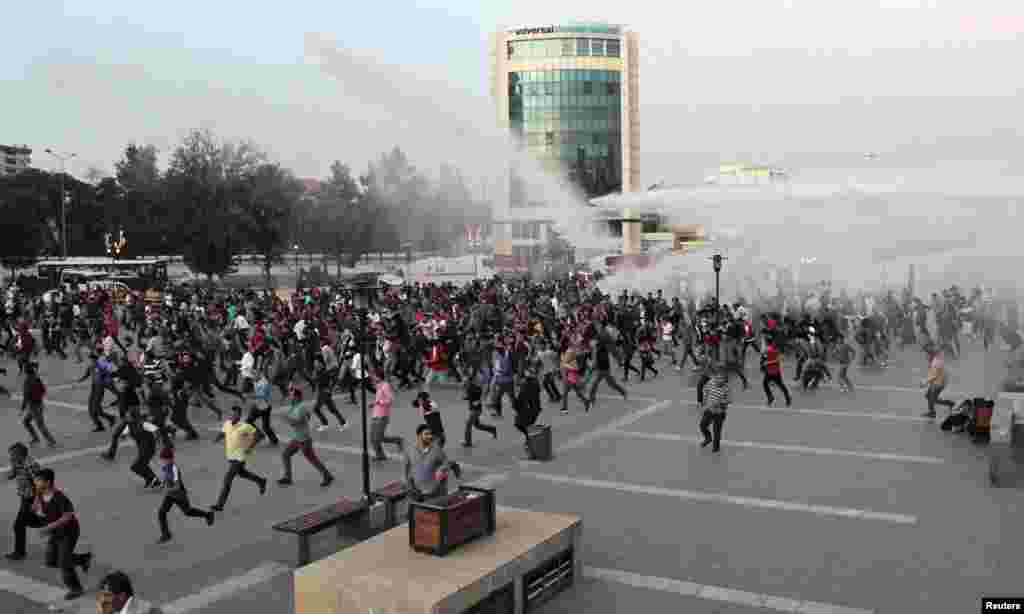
14	159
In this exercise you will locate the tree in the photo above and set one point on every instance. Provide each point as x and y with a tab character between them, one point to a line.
137	170
147	218
200	195
397	192
272	194
93	175
344	223
22	236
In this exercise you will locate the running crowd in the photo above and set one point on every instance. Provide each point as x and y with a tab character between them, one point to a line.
507	344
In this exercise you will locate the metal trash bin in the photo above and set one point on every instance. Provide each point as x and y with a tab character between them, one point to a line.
539	441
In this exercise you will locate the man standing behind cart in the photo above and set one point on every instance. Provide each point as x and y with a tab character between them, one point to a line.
427	466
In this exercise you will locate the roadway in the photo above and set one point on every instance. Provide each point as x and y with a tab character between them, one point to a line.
842	504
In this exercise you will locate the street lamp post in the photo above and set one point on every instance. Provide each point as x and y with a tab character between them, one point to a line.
295	250
716	262
62	158
366	293
116	244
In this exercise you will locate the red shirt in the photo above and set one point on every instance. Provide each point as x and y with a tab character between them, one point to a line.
773	362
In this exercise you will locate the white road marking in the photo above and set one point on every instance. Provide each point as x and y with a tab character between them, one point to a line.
72	454
225	589
354	450
620	423
490	480
883	388
618	397
49	595
690	495
836	412
77	407
718	593
903	458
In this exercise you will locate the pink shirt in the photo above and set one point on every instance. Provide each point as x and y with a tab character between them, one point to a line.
383	401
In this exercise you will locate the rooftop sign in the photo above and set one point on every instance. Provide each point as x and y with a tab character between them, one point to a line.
574	29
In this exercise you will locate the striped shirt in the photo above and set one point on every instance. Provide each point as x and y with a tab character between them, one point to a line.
24	472
716	396
154	371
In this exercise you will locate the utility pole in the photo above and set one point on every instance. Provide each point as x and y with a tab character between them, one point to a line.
62	158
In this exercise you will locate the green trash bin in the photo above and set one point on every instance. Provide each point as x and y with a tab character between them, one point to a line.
539	441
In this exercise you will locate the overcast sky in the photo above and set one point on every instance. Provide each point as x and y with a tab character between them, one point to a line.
761	79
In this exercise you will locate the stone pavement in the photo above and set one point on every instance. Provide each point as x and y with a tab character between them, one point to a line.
843	504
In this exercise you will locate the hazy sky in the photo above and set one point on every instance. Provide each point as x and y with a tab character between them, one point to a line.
757	78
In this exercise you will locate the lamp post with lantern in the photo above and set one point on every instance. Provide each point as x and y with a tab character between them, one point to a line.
116	242
716	263
364	294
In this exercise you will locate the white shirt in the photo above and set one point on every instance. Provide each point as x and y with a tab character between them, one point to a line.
248	366
300	329
126	607
357	366
241	323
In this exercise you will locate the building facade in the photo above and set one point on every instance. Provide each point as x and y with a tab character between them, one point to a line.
570	93
14	159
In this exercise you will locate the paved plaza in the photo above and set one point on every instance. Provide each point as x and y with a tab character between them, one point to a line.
842	504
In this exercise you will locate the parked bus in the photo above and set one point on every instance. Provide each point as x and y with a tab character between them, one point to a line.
150	272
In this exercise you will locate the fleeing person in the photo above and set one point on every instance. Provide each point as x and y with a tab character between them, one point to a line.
24	469
175	494
60	524
129	405
474	399
239	440
603	348
144	434
33	395
384	398
262	408
716	400
771	366
935	383
298	417
431	414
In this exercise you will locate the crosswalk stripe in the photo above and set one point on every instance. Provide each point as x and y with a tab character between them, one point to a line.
905	458
225	589
72	454
690	495
718	593
622	422
53	596
354	450
835	412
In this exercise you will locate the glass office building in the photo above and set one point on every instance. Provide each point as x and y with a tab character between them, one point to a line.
570	93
